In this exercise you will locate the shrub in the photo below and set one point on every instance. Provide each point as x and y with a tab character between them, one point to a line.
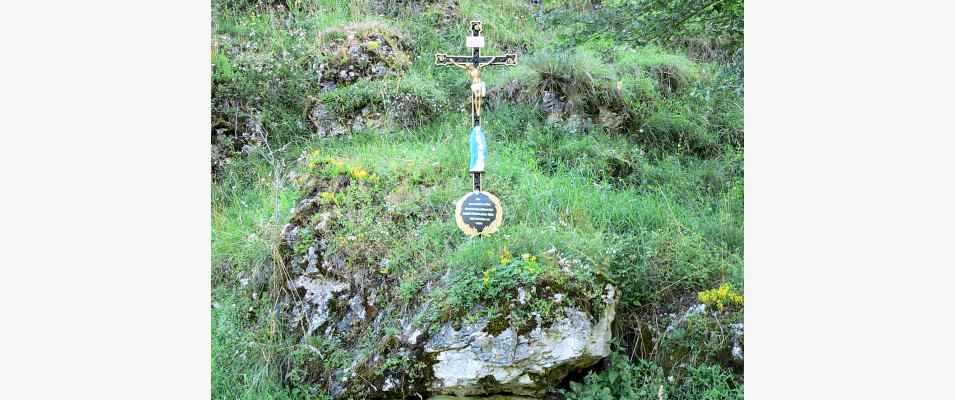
644	380
662	267
624	380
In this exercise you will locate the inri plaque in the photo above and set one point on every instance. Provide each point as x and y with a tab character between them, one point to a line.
479	213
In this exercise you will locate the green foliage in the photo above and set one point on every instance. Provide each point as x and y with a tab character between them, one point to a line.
599	156
223	68
640	22
622	381
677	129
579	75
413	99
664	100
662	21
644	380
699	339
489	276
670	71
245	219
243	351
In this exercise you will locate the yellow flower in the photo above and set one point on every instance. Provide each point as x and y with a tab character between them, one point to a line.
358	173
327	198
721	297
506	257
487	277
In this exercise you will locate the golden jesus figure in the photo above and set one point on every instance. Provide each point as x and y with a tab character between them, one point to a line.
478	87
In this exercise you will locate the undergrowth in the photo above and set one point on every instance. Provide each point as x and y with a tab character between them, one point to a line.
644	380
614	151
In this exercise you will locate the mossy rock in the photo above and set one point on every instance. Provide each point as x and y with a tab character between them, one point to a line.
581	88
369	49
376	104
367	329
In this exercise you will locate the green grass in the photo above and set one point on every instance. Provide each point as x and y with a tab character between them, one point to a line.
653	204
239	368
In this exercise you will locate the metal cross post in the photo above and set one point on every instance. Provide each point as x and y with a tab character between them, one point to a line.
473	65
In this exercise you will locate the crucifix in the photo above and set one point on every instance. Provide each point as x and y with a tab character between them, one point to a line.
478	212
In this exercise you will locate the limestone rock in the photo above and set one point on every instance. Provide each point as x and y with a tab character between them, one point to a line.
325	124
736	333
363	49
314	308
473	362
730	349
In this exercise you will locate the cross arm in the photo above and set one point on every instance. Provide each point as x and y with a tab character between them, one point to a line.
462	61
507	59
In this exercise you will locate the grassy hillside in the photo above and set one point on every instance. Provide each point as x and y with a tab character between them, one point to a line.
611	143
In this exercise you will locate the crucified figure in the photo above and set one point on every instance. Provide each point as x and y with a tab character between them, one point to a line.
478	89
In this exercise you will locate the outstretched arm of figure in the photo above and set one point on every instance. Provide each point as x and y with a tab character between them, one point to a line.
464	61
457	61
509	60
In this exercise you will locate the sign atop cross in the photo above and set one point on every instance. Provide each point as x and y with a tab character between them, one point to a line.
478	212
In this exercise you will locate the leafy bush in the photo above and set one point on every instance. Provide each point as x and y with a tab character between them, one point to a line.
662	267
644	380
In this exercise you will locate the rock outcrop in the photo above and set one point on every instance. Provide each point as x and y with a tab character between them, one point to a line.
721	331
361	69
358	338
362	50
471	361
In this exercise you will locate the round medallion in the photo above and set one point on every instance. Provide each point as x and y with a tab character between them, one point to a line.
479	213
